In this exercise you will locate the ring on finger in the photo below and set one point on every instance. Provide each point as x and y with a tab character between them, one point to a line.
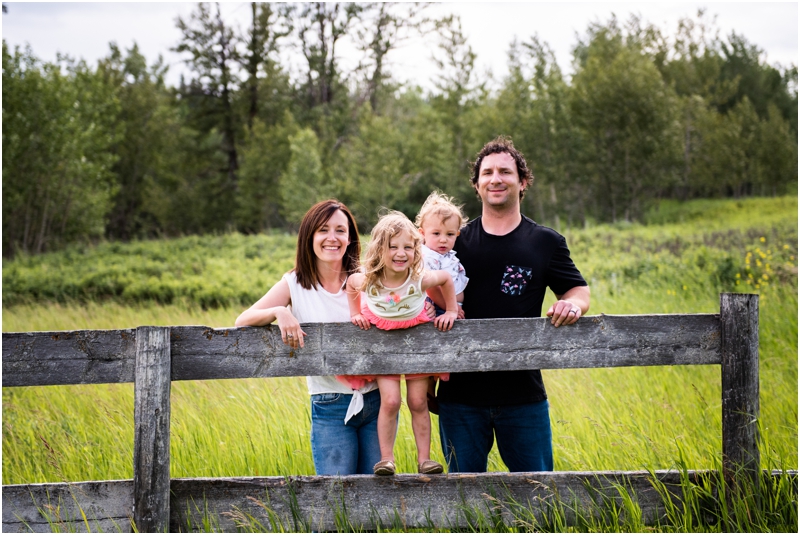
289	335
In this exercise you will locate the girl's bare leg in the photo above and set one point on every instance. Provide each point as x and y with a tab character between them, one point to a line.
420	419
387	417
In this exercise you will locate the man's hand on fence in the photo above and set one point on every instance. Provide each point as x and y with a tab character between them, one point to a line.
563	313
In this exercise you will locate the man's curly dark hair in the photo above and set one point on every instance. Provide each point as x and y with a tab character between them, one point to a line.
496	146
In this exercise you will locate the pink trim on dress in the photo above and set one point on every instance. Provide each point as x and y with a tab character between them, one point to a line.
357	381
390	325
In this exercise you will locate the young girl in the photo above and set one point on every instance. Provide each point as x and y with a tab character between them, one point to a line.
394	285
440	222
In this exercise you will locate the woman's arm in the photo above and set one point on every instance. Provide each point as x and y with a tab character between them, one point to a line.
271	307
445	283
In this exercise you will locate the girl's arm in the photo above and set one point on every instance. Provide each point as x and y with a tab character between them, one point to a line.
354	282
445	283
271	307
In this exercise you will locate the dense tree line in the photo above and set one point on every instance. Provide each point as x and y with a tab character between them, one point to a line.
115	152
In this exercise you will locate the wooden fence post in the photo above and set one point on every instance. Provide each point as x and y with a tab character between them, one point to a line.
740	405
151	436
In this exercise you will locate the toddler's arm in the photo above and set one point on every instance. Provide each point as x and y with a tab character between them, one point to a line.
354	282
459	300
445	283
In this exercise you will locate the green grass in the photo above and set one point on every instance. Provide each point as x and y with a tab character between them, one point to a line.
210	271
603	419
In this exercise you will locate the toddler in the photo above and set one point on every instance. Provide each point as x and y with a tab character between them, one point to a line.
394	284
440	222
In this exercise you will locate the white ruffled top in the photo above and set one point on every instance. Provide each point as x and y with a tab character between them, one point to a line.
446	262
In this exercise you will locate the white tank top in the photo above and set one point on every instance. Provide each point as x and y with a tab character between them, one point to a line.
321	306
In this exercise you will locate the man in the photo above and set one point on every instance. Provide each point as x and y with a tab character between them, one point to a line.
510	261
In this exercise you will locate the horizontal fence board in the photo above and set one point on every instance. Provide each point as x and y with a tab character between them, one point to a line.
48	507
341	348
411	500
68	357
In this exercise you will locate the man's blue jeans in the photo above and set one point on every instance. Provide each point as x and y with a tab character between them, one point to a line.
524	439
340	448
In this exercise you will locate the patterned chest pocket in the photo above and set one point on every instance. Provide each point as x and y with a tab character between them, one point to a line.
515	279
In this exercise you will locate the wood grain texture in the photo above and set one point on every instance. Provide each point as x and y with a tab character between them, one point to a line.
341	348
151	417
68	357
740	390
47	507
413	501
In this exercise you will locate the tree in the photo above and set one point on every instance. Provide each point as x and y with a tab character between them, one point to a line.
268	27
320	26
304	182
627	115
385	26
266	153
368	169
57	130
533	104
212	47
776	154
459	94
762	84
146	148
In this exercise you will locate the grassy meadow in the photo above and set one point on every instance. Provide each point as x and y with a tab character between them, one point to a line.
603	419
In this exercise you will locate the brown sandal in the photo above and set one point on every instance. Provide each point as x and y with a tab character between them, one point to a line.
430	467
384	468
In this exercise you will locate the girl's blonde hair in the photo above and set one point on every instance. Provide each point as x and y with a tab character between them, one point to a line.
389	226
440	205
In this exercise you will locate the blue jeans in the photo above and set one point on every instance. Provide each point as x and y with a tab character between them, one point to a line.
523	436
339	448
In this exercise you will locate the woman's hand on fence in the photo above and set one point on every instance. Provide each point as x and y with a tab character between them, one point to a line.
360	321
291	333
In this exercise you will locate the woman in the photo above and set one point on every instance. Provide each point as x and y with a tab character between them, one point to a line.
344	433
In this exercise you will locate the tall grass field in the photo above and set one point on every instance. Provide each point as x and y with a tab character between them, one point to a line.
679	261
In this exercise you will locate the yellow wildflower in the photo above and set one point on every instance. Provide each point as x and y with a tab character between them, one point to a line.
762	239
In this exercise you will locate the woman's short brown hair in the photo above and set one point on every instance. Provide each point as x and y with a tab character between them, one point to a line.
305	266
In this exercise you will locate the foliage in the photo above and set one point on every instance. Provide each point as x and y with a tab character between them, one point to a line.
210	271
246	141
58	128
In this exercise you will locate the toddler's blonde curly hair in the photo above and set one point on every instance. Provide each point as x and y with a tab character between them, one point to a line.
439	204
389	225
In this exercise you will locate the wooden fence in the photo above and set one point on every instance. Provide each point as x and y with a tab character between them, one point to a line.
152	357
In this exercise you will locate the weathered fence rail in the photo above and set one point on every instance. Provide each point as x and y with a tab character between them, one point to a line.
152	357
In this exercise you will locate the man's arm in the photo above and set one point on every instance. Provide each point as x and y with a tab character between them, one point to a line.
570	306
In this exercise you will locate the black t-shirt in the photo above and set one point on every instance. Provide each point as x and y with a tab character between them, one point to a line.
508	277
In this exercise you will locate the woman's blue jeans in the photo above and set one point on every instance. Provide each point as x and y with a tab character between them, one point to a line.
524	439
340	448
